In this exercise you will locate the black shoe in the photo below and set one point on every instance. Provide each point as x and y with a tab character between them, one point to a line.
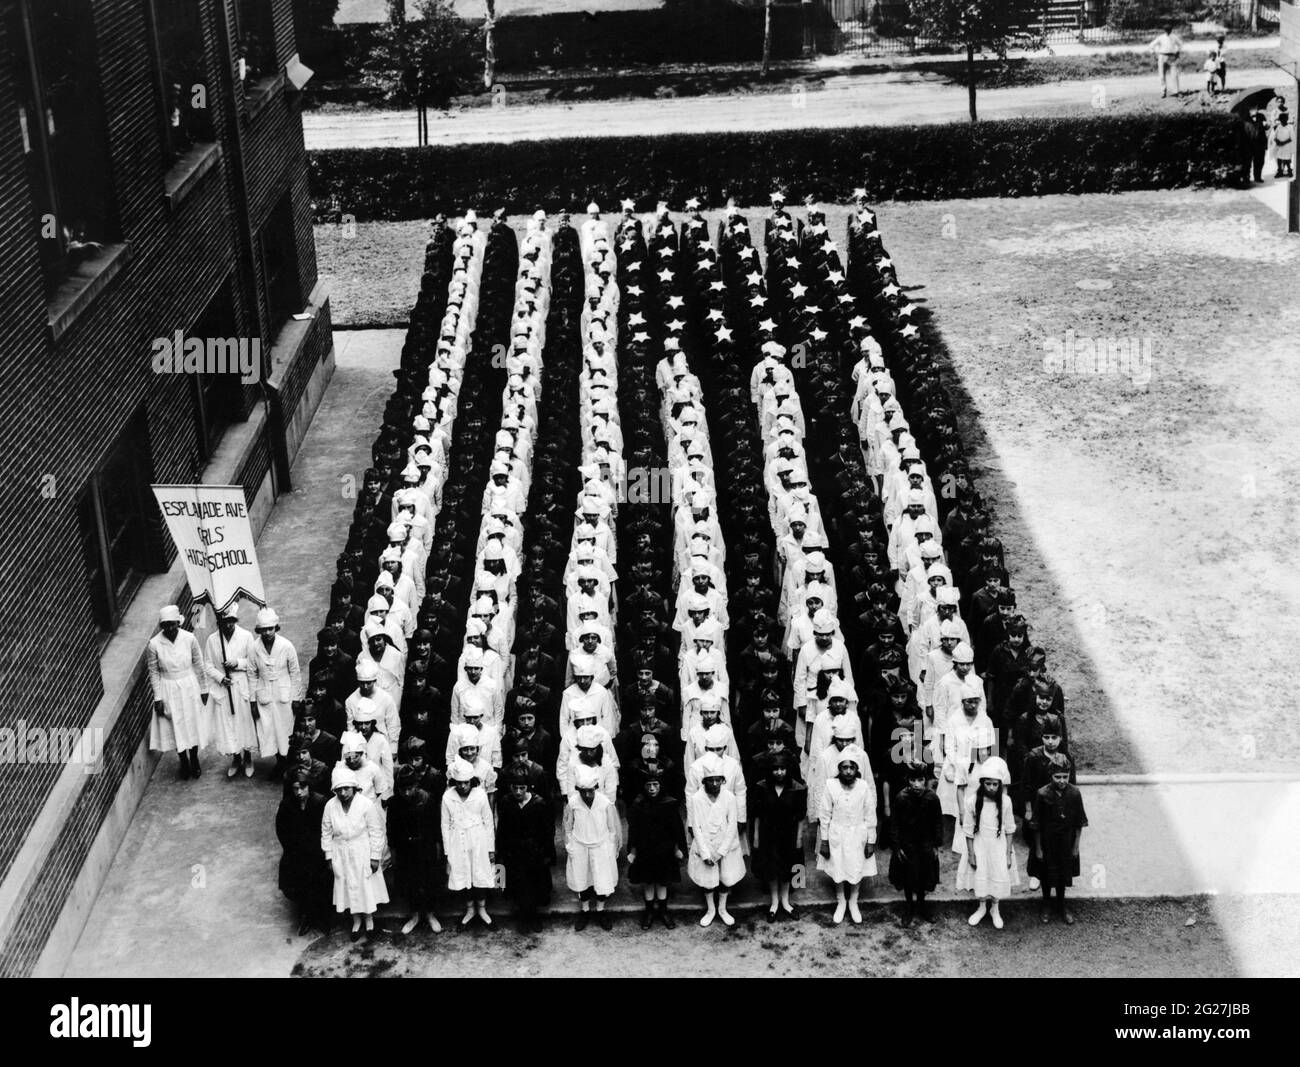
195	769
357	934
603	920
669	922
647	917
184	773
580	923
280	764
772	914
926	913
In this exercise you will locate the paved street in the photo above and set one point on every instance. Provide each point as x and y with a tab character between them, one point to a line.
896	98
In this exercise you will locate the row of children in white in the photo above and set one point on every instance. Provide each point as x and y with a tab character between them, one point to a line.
715	784
940	656
841	787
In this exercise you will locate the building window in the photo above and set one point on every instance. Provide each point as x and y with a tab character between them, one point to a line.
218	398
280	266
177	27
255	34
61	116
114	526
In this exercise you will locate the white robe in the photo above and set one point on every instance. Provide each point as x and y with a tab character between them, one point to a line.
468	838
232	715
715	836
276	681
591	841
351	839
848	824
175	668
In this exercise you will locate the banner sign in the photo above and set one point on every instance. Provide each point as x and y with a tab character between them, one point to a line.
214	536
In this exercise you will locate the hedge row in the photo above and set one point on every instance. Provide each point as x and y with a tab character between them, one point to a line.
1013	157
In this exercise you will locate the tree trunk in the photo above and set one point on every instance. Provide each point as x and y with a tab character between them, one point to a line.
489	45
397	12
970	79
767	36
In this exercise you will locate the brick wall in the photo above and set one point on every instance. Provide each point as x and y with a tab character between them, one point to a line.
66	402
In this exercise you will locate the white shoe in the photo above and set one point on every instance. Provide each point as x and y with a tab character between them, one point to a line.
1033	884
707	920
435	925
854	912
838	917
468	917
410	924
726	918
483	914
978	917
997	919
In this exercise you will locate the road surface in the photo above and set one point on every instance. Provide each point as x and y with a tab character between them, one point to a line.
897	98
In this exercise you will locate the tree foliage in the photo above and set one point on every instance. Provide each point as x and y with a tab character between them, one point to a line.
976	24
428	59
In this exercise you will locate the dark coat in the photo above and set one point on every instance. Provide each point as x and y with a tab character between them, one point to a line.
778	818
917	829
305	876
655	832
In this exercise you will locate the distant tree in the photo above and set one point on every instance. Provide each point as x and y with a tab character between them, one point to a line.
427	60
975	25
396	12
767	36
489	45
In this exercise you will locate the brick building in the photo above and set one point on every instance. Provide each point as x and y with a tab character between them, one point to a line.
152	180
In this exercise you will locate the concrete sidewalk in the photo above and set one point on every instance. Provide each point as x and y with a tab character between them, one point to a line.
896	98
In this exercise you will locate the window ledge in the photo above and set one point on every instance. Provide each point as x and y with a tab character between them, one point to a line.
259	91
184	175
85	282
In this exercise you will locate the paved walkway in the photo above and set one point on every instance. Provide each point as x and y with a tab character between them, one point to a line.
896	98
193	892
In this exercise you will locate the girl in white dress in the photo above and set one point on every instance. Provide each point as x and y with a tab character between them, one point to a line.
352	838
989	866
848	831
591	840
468	840
715	861
180	722
967	739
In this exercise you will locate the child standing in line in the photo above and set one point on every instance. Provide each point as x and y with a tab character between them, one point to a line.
918	832
988	867
1059	819
468	840
716	860
591	839
848	830
656	845
777	812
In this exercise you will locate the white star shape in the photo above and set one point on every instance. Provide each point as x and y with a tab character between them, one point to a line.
626	246
891	289
835	277
753	278
797	290
715	315
792	262
819	335
723	334
634	266
665	230
717	286
635	290
907	309
675	301
813	309
857	323
640	335
676	326
666	251
909	330
636	319
750	252
846	298
767	325
666	275
884	261
829	247
757	301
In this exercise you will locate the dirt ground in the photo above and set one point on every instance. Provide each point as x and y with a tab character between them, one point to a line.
1146	513
1157	939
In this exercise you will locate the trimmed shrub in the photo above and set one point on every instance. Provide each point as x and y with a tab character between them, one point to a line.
1011	157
